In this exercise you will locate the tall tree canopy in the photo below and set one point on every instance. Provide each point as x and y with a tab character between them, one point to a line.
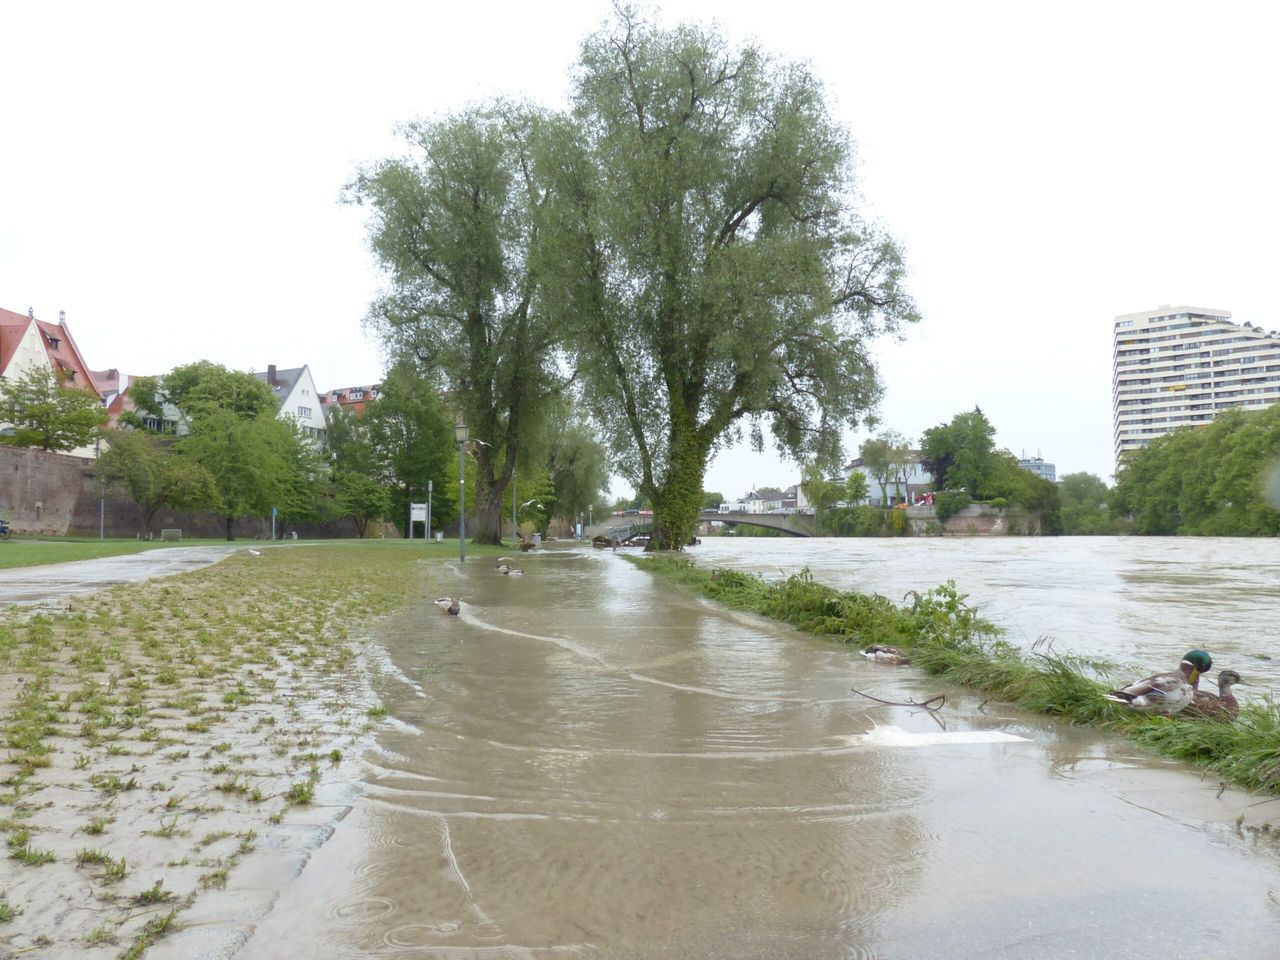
704	249
454	225
47	414
961	455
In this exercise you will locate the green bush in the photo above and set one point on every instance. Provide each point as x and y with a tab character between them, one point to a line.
947	504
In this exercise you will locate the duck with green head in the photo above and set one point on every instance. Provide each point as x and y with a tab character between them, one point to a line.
1165	692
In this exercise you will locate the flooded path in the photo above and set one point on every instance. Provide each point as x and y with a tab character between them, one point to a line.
587	763
52	581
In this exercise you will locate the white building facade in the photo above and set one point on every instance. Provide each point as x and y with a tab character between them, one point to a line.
295	391
1179	366
906	488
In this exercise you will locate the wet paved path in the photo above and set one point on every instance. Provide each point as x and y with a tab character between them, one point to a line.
53	581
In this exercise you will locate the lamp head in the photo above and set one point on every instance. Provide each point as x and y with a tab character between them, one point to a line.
461	431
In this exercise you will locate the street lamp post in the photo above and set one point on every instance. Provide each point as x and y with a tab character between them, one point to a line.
460	433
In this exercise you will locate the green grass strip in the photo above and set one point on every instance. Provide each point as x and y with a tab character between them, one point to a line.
947	638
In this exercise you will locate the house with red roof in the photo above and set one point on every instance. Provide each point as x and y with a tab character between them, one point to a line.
351	398
29	343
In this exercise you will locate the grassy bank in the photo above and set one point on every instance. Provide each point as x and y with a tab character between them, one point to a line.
946	638
155	732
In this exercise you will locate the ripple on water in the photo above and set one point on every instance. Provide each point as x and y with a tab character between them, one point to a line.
415	935
364	909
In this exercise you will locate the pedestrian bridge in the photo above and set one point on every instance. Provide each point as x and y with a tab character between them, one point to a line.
633	526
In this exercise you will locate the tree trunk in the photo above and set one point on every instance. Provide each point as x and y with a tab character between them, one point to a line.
678	501
229	519
486	525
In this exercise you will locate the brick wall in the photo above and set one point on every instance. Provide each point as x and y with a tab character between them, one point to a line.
53	494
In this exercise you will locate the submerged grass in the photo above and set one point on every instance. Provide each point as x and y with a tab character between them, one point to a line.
947	638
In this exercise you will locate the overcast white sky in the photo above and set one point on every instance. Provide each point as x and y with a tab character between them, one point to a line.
170	175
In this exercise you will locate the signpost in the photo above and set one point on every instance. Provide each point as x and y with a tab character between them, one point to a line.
430	486
418	512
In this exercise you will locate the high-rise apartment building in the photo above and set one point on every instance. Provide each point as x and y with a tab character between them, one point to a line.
1179	366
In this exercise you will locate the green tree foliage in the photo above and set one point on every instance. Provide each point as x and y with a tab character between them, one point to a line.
256	460
1085	511
405	439
887	458
709	261
711	499
855	488
194	387
1207	481
155	475
256	463
454	226
362	498
578	469
961	455
46	414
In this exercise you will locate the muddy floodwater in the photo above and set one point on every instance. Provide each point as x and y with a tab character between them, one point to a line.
588	763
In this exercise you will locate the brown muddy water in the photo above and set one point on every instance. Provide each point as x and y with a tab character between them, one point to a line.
588	763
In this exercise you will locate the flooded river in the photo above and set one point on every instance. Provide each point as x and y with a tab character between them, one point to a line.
1142	599
587	763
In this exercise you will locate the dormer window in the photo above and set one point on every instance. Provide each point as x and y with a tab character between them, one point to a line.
357	394
53	342
334	397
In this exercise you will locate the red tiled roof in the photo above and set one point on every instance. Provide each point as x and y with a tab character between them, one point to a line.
65	358
12	327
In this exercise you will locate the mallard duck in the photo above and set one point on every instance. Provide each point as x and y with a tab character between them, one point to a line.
1223	707
1165	692
505	561
882	654
512	572
449	605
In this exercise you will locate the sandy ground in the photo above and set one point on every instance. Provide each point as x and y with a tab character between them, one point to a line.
176	750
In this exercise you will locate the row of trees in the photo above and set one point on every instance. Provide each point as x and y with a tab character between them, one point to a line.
237	457
1219	480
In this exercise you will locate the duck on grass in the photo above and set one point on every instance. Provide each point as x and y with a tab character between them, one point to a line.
946	637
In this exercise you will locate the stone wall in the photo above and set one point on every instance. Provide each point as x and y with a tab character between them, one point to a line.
975	520
53	494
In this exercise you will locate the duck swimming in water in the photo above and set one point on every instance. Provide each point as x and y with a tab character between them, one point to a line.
1224	707
1165	693
882	654
449	605
512	572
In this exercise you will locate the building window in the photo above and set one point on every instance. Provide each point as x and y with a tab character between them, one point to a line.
304	411
357	394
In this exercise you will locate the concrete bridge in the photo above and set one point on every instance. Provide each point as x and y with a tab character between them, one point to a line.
630	527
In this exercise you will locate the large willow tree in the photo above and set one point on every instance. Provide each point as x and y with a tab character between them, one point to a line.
454	226
712	271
